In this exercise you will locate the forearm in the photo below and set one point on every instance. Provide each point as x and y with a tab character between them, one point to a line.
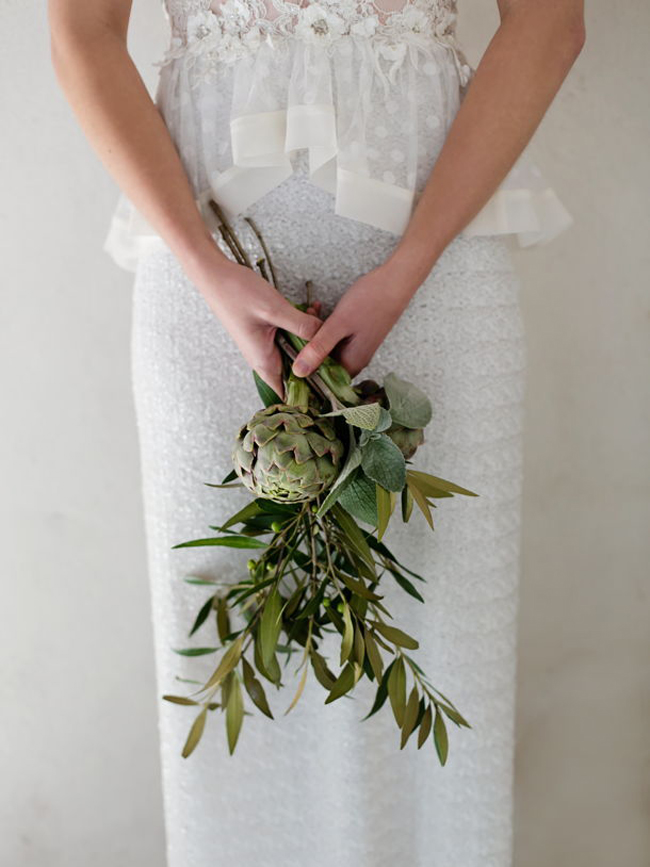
128	133
515	82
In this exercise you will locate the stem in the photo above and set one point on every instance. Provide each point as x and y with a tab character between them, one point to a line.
232	240
315	379
258	234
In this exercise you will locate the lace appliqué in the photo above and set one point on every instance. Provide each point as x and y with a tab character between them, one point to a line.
224	32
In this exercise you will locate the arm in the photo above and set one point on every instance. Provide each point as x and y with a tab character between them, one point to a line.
515	82
113	106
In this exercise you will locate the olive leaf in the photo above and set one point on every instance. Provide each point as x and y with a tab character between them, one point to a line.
397	690
266	393
270	626
195	733
344	683
234	714
254	689
440	737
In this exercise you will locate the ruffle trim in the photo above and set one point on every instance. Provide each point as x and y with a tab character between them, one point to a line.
524	205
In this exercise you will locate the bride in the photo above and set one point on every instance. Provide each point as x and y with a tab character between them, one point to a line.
390	173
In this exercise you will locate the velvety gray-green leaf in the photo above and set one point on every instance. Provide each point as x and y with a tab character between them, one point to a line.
409	405
384	463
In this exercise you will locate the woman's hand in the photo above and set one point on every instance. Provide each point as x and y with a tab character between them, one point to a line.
360	321
252	310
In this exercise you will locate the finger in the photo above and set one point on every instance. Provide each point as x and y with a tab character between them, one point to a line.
301	324
320	346
315	308
353	358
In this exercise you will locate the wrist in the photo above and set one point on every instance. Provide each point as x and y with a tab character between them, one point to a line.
205	259
407	269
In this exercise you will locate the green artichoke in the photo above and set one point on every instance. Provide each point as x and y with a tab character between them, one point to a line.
286	454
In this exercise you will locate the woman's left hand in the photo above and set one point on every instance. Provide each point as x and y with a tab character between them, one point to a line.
359	323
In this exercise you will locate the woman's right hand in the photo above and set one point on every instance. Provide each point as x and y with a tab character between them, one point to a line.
251	310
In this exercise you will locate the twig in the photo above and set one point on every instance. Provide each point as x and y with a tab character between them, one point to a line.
232	237
269	260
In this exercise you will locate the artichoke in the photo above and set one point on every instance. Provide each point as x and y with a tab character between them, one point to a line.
286	454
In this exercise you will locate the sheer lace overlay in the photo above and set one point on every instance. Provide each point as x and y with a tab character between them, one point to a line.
368	89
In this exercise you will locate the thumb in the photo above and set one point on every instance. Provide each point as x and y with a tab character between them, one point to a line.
314	353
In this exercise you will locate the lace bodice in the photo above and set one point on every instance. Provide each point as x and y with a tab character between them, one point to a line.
229	29
369	88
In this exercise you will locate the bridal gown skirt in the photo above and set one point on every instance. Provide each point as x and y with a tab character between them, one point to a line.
319	787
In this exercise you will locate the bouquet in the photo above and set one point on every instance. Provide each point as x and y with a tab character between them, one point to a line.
321	461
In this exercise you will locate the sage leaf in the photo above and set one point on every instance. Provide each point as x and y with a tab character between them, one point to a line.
365	416
384	463
409	405
359	499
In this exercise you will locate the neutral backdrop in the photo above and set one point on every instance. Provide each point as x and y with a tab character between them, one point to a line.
78	745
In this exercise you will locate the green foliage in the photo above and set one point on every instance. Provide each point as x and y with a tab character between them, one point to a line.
325	459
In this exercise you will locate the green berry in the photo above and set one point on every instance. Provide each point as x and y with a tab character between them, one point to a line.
251	565
339	607
276	526
326	603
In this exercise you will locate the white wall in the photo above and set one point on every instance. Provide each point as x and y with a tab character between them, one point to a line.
78	748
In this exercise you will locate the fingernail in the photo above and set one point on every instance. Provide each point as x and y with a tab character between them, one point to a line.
299	368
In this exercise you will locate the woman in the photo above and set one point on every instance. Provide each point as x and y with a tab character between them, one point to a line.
384	169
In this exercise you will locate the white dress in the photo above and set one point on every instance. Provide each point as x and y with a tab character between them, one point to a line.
322	122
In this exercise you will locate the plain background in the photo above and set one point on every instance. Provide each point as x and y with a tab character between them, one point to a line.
79	751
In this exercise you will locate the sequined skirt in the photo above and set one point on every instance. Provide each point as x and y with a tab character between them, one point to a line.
319	786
